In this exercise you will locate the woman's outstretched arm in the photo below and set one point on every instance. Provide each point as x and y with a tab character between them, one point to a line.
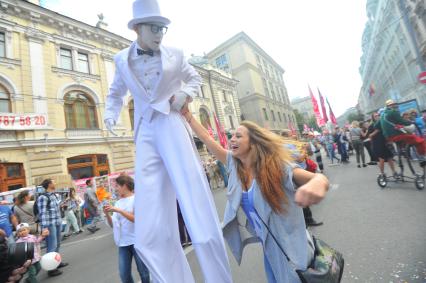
214	147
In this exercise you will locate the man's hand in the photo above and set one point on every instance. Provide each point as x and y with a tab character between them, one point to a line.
109	124
19	272
45	232
178	101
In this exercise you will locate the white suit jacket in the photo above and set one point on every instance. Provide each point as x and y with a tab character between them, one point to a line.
177	75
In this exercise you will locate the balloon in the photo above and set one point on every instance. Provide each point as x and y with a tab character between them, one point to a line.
50	261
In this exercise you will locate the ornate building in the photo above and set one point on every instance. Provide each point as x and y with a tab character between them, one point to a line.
261	90
394	53
54	76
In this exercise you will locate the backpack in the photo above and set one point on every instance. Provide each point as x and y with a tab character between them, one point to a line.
35	207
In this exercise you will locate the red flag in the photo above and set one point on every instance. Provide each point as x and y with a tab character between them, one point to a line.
220	132
305	128
320	121
332	117
324	112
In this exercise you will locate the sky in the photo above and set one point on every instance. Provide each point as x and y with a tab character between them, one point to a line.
317	42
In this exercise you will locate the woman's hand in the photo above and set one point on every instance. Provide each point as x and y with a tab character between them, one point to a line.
309	194
312	187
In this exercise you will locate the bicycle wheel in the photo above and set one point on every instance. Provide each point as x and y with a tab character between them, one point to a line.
413	160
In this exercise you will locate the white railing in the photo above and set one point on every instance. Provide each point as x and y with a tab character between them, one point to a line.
83	133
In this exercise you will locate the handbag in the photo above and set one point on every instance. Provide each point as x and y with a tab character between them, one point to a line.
326	266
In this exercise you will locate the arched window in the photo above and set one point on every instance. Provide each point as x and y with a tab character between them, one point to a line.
205	118
80	111
132	113
4	100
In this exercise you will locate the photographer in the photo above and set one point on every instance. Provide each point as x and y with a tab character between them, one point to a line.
8	273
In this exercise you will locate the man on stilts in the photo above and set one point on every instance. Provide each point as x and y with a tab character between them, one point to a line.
167	165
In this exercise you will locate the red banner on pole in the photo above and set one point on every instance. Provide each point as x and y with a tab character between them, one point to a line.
324	112
332	117
320	121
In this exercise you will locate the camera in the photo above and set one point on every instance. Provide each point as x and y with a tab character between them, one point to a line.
13	256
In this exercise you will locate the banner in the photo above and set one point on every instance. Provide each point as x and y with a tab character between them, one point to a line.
317	113
220	133
324	112
332	117
29	121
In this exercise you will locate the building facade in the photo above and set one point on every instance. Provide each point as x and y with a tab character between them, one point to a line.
394	53
54	76
261	90
304	106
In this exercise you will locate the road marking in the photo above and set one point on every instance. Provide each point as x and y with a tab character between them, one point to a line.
87	239
334	187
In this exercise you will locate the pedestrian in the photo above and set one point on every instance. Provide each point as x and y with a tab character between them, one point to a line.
71	203
50	219
329	143
122	223
340	139
92	204
24	211
421	123
8	221
222	171
269	188
356	134
167	167
392	123
77	210
368	128
380	147
24	235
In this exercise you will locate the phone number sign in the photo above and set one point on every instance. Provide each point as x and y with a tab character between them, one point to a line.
13	121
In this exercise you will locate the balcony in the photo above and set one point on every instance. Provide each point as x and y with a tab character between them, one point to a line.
83	133
7	136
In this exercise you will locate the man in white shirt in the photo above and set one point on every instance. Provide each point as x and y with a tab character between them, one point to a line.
167	165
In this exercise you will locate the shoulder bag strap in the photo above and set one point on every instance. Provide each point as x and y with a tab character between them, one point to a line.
24	211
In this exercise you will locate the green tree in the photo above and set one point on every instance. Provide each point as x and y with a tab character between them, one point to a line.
300	120
355	117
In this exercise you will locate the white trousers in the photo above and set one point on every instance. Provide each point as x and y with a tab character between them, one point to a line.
167	168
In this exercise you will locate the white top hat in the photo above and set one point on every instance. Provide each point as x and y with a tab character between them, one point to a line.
145	11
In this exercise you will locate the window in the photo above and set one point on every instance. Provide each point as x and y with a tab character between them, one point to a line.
231	121
271	87
2	45
222	62
279	117
4	100
224	96
265	114
265	86
203	95
87	166
66	59
80	111
132	113
12	176
83	62
273	115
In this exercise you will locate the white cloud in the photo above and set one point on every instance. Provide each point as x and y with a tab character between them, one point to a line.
316	42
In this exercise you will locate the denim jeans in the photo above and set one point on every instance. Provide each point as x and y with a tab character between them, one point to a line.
125	255
71	222
53	241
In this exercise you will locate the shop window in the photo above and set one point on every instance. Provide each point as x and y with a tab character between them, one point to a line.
80	111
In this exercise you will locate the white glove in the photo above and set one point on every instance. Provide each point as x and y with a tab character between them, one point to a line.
109	124
179	100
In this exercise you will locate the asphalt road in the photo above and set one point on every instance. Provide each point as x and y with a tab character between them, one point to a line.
381	233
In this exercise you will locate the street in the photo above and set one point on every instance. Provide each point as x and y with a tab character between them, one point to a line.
380	232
